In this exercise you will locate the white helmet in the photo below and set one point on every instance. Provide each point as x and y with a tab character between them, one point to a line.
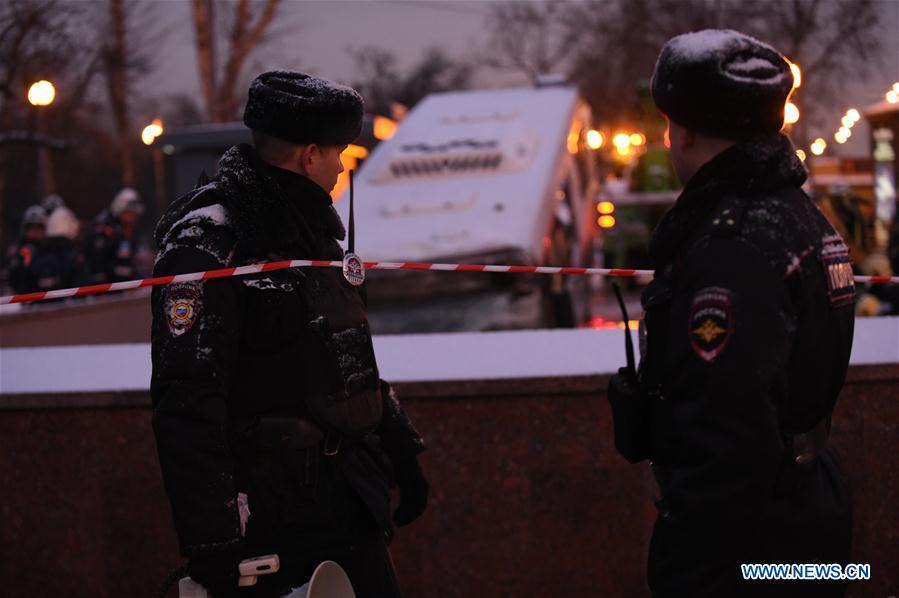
34	215
62	223
126	199
51	202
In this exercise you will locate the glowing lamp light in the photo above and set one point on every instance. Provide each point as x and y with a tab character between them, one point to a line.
638	139
606	221
355	151
573	139
41	93
797	75
801	154
853	114
791	113
845	132
896	86
892	96
623	151
621	140
151	132
840	137
818	146
847	122
383	128
605	207
594	139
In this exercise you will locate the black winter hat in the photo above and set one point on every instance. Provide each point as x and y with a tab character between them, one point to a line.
722	83
302	109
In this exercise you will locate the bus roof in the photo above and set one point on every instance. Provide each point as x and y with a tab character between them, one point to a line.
466	173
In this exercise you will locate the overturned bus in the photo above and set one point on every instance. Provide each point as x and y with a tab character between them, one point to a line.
481	177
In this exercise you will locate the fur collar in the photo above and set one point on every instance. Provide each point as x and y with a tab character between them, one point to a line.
748	169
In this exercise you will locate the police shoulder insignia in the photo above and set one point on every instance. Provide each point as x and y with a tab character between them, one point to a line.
182	306
838	269
711	322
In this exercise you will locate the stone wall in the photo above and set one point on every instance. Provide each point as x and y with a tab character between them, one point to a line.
528	497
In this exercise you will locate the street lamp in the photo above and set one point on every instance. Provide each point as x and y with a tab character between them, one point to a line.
40	95
148	135
853	114
151	132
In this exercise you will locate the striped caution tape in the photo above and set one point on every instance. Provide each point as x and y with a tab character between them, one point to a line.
282	265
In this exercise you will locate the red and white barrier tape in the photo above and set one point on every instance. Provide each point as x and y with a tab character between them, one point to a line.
272	266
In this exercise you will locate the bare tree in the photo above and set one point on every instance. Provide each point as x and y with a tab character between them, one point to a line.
613	44
131	30
382	84
248	30
533	38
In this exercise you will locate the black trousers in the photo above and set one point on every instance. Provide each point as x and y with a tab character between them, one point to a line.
304	510
808	521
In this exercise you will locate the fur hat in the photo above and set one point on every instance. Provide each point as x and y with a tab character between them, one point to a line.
302	109
722	83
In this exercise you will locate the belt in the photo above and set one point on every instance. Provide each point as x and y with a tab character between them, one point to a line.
807	446
287	432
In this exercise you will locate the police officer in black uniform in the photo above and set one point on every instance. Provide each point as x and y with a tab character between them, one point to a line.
274	431
748	330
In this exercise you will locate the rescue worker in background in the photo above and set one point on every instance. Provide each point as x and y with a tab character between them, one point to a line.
111	246
51	202
266	394
21	256
59	263
748	330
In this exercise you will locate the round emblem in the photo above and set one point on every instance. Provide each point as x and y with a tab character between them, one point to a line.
353	269
182	313
183	306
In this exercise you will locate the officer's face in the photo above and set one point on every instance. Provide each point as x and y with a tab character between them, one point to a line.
680	152
34	233
323	165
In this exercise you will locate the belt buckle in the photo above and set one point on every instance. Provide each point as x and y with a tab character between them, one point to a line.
326	449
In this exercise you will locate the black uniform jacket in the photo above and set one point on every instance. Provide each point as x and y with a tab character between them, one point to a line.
229	351
749	324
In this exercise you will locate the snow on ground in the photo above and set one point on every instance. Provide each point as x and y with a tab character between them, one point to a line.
401	358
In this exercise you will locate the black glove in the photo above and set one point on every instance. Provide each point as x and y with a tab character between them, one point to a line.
630	418
413	491
218	573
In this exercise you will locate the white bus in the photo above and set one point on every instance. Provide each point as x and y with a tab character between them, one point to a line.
491	176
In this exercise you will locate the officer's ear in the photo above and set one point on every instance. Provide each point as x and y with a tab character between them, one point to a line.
308	157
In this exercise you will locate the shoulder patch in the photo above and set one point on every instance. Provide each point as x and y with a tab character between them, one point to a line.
838	269
182	305
711	322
